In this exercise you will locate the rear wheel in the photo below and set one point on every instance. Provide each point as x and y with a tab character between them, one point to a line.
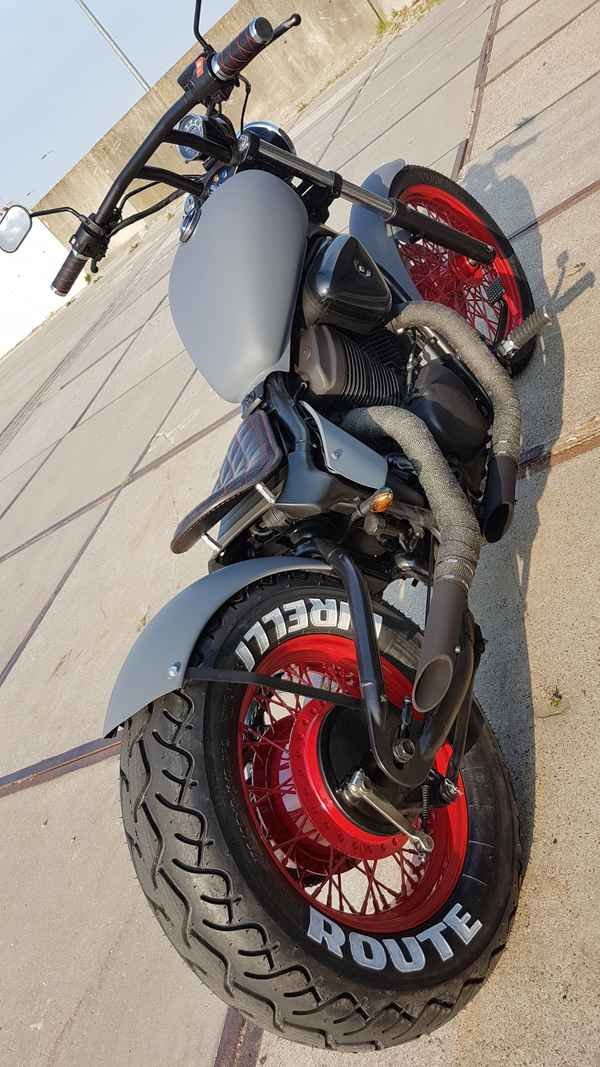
451	279
319	925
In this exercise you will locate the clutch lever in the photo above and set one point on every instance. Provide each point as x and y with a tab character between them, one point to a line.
294	20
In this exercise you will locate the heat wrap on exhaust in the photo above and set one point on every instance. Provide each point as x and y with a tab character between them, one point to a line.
460	534
460	537
467	344
459	545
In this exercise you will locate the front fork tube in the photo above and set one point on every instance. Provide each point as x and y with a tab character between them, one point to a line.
428	733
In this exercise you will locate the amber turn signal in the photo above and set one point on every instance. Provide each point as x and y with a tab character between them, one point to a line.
382	500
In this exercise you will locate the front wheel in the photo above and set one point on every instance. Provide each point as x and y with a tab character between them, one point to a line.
318	924
493	299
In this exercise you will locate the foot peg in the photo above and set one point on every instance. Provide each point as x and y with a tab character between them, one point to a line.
517	338
495	290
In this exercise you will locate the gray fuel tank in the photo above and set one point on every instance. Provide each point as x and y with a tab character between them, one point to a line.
234	284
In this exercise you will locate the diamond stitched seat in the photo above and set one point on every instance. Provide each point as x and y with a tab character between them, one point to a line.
252	457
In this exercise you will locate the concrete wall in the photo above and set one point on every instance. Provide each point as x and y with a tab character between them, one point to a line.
333	33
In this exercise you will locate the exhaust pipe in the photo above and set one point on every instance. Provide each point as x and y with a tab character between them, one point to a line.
438	725
441	644
460	541
459	530
499	497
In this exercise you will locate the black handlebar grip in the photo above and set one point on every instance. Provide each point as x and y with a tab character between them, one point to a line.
242	50
68	274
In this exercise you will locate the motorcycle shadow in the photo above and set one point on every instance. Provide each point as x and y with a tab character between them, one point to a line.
501	591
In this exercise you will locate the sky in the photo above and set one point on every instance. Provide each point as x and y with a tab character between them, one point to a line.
62	87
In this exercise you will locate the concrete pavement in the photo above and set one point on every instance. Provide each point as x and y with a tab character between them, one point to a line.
107	438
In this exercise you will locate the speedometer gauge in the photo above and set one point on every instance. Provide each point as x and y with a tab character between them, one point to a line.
191	124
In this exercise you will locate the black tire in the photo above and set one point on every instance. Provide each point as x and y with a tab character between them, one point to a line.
414	175
237	921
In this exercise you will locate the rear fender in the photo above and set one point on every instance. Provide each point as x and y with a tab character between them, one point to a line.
158	661
371	229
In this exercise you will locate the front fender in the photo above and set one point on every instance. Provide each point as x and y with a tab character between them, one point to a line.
158	661
371	229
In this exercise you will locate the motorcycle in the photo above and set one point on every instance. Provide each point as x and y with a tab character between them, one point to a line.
315	805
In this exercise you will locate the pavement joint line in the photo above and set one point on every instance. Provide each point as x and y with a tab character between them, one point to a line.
116	365
396	122
558	209
146	378
518	15
16	655
541	43
584	438
16	423
24	414
94	362
355	97
39	618
54	444
138	473
432	30
477	101
577	442
26	485
308	129
447	44
77	422
542	111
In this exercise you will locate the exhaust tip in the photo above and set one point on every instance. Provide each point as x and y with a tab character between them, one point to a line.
499	498
432	683
497	522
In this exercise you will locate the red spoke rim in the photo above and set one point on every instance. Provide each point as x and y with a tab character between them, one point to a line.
376	882
451	279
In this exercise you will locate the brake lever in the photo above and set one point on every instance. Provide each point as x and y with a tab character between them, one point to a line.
294	20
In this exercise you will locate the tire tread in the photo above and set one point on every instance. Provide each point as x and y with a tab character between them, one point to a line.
278	995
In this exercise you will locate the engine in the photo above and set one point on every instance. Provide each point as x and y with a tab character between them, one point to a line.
345	371
349	359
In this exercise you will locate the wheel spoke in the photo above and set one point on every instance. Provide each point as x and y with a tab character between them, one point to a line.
273	731
443	276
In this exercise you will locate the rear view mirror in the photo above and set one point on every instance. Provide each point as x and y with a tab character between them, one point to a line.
15	224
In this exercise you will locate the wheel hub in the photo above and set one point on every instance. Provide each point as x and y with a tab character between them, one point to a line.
316	796
293	753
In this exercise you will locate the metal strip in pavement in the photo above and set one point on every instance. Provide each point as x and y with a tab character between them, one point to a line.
406	114
584	438
558	209
240	1042
459	159
477	102
55	766
380	70
541	43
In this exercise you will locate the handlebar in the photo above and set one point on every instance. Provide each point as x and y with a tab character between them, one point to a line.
68	273
203	75
242	50
209	80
